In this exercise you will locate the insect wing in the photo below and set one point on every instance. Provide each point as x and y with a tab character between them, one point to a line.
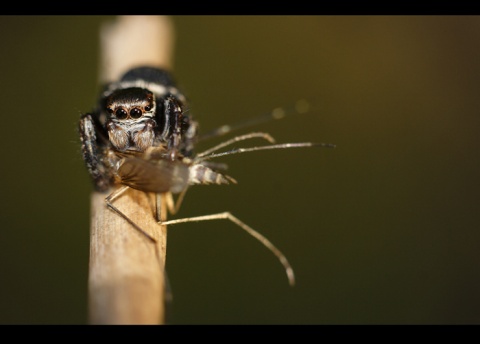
153	175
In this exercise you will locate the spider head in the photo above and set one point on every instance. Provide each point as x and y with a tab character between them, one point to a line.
130	105
130	118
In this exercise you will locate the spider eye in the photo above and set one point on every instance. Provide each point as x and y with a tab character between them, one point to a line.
135	113
148	108
121	113
109	110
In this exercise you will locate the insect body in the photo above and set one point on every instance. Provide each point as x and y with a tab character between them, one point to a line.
140	136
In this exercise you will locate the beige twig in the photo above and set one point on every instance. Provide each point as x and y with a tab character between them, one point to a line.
126	276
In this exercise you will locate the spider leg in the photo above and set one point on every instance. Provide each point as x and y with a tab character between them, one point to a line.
92	155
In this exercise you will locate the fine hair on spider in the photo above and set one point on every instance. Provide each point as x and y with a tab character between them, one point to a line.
139	136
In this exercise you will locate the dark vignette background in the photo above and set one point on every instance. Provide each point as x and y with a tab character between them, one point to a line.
384	229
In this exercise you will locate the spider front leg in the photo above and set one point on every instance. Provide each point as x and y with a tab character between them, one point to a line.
93	154
178	126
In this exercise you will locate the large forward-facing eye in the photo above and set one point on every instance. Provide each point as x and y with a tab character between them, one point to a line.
135	113
121	113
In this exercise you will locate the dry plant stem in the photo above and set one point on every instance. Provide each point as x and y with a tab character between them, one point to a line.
133	41
126	276
126	268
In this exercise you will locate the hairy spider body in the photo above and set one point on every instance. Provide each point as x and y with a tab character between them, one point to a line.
140	136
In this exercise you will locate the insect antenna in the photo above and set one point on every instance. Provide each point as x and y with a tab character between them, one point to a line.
301	106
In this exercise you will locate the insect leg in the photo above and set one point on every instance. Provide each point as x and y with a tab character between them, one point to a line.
172	205
267	243
109	201
278	146
167	287
300	107
236	139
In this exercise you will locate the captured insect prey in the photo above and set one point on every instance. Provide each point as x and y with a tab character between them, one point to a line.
139	136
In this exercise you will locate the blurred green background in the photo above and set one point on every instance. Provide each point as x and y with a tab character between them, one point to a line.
382	230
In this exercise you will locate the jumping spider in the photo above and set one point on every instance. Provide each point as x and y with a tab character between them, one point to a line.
140	136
